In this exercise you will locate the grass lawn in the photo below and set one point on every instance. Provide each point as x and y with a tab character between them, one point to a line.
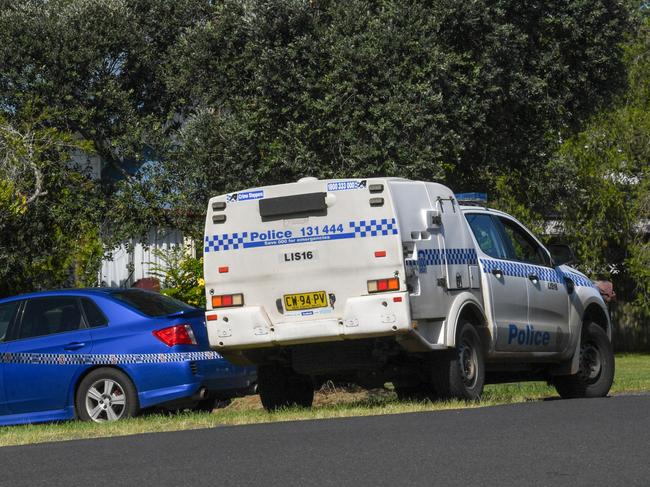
632	375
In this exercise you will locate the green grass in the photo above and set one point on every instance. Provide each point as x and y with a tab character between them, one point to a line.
632	375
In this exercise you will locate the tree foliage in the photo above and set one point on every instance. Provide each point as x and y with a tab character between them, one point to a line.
49	209
181	275
471	93
185	99
98	65
601	177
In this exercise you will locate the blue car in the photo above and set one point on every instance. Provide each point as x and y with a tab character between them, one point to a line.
105	354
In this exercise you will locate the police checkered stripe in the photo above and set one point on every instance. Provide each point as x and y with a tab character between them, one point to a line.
105	359
431	257
225	241
517	269
373	228
579	280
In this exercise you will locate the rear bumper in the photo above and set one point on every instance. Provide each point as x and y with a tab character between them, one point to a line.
168	394
363	317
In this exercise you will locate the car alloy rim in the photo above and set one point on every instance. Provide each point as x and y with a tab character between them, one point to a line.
105	401
468	363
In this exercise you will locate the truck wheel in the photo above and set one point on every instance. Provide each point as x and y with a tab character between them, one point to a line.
281	387
460	374
596	371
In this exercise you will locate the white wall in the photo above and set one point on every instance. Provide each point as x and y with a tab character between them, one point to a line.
115	272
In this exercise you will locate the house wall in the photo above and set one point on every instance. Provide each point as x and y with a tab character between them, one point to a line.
127	266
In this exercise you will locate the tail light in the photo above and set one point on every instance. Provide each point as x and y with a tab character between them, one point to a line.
381	285
176	335
227	300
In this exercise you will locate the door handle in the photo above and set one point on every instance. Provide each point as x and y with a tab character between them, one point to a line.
497	272
533	277
74	346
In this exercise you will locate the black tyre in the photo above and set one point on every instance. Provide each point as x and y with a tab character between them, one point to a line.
282	387
460	374
106	395
596	371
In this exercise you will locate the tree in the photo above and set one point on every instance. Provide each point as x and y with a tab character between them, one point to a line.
98	65
50	211
472	93
601	179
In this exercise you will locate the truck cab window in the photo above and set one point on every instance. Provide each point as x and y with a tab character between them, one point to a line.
521	246
486	234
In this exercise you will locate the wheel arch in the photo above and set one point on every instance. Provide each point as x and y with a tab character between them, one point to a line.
598	314
595	311
467	307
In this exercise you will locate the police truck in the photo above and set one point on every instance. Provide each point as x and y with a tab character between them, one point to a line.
379	280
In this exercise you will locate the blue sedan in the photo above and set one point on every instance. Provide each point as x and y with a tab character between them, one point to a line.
105	354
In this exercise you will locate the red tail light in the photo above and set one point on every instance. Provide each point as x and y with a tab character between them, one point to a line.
176	335
227	300
382	285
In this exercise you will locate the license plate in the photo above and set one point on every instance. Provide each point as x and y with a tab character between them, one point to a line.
294	302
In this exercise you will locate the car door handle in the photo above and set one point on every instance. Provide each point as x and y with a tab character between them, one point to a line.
497	272
533	277
74	346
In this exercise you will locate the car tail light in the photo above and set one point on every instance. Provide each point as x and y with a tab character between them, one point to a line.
381	285
227	300
176	335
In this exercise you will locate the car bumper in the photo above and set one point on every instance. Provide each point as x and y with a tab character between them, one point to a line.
166	394
221	375
363	317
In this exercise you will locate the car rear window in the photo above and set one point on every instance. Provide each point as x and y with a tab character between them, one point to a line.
151	304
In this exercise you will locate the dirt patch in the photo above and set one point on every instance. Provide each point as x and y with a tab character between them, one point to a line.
328	395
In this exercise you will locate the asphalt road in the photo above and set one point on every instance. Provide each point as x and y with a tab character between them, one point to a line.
577	442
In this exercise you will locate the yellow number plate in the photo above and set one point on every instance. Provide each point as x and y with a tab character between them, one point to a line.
294	302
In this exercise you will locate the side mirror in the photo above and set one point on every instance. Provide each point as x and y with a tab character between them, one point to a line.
562	254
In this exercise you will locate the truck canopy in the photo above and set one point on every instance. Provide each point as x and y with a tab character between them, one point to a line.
299	250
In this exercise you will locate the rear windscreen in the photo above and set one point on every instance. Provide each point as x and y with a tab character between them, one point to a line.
151	304
296	206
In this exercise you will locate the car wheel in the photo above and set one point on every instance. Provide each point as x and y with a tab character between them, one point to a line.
460	374
282	387
106	395
596	370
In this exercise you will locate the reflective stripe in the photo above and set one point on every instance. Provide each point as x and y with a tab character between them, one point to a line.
357	229
433	257
519	269
436	257
109	359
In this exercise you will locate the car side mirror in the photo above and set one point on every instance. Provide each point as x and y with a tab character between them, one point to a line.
562	254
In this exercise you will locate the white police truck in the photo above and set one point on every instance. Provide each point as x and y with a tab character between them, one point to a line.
390	280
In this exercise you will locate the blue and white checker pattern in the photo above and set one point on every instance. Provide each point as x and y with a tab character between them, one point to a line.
104	359
519	269
373	228
225	241
434	257
578	280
